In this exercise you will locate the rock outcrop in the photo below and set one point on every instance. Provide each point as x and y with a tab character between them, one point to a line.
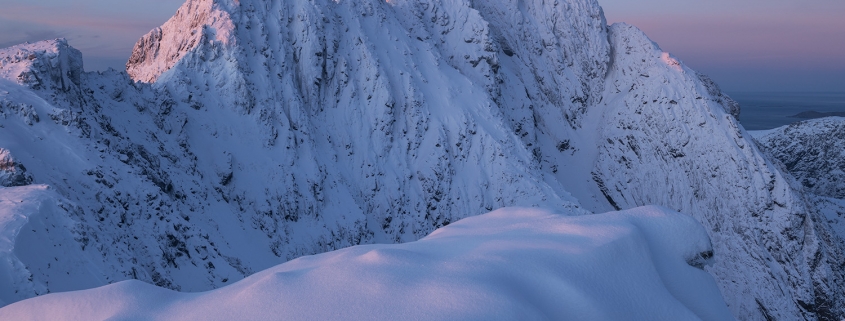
813	151
12	172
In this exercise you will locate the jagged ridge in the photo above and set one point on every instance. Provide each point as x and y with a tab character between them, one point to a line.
812	151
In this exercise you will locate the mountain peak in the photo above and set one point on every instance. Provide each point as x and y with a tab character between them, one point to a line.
48	64
196	23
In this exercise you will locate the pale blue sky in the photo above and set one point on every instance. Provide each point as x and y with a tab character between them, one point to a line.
745	45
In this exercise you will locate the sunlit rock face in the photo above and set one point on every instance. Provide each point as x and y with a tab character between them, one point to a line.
195	23
52	68
248	133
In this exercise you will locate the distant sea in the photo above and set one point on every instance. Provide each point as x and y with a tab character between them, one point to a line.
764	110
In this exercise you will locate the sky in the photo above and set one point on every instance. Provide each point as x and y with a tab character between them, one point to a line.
745	45
104	30
748	45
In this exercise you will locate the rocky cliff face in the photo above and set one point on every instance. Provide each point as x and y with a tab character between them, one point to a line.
250	132
12	172
197	22
812	151
52	68
667	139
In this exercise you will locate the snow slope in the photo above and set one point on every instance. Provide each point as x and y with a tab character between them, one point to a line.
274	130
36	231
525	264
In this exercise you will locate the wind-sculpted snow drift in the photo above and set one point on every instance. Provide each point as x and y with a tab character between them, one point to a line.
248	133
511	264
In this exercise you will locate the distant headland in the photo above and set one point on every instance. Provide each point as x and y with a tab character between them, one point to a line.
815	114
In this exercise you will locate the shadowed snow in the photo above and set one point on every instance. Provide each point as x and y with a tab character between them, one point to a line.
509	264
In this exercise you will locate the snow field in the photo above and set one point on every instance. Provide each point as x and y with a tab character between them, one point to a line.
513	263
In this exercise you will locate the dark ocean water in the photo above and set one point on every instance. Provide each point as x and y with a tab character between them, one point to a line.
770	110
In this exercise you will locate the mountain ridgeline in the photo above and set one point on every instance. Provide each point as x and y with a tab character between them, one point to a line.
246	133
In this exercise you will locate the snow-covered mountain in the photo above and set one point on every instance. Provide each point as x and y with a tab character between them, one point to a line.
813	151
248	133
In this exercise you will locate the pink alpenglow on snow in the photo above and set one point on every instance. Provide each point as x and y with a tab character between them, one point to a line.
511	264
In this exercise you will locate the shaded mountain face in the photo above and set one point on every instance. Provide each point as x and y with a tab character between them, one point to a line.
247	133
812	151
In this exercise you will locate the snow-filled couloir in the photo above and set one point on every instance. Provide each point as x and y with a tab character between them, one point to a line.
248	133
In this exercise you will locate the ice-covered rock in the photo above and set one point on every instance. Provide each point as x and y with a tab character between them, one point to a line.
665	139
12	172
50	66
196	23
813	151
